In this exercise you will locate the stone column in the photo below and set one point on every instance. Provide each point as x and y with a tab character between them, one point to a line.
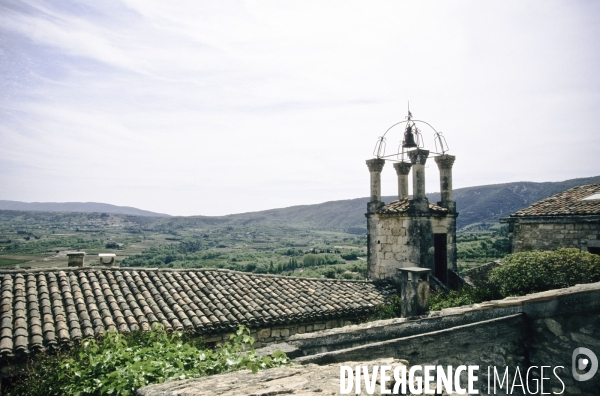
402	170
375	167
418	158
445	163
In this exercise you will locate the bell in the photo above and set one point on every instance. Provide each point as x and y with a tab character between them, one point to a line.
409	138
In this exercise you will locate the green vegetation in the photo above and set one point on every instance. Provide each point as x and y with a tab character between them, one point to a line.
475	249
10	262
50	245
526	272
391	309
187	242
456	298
119	364
531	272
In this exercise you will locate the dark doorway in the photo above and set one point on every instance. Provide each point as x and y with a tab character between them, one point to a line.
441	259
594	250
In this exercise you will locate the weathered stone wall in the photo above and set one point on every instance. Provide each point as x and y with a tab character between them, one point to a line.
292	380
554	233
528	332
276	334
553	342
541	329
495	342
390	248
400	241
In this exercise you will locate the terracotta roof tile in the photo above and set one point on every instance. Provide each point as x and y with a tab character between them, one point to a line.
42	309
402	206
570	202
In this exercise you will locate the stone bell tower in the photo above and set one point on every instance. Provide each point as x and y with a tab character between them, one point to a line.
412	232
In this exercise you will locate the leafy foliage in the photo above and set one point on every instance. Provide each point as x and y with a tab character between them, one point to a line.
391	309
530	272
45	245
523	273
481	248
119	364
464	296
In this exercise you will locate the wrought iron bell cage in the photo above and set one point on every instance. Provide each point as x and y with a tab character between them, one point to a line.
412	139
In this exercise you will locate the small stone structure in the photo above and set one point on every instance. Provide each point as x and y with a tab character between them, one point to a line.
76	259
568	219
412	232
414	286
107	259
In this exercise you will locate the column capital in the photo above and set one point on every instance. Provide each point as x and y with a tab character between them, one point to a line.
445	161
418	156
376	164
402	168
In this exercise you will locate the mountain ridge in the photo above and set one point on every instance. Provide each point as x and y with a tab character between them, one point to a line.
78	207
478	205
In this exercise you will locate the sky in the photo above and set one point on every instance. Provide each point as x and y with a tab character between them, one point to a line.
220	107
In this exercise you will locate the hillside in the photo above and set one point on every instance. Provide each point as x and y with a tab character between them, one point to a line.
476	205
80	207
479	207
479	204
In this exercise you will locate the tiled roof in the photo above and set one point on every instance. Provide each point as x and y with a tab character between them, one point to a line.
45	308
568	202
402	206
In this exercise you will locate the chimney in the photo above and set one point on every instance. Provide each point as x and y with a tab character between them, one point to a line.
107	259
445	163
402	170
418	158
76	259
375	167
414	286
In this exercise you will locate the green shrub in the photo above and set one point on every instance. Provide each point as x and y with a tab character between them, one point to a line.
119	364
530	272
391	309
465	296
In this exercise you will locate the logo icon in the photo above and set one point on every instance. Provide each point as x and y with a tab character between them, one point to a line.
583	363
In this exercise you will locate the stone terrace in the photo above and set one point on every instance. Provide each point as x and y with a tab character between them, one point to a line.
42	309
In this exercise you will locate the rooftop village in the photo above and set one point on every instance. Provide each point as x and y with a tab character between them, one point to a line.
322	323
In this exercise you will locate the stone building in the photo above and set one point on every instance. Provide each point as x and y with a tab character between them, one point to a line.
412	232
568	219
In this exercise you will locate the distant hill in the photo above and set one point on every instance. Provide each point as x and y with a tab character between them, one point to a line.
82	207
479	206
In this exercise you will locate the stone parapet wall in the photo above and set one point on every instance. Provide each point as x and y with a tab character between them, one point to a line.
541	329
495	342
572	300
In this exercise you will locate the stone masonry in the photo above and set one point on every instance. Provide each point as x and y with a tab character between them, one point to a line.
402	233
570	219
528	332
554	233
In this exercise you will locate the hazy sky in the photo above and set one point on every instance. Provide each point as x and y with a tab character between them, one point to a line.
217	107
